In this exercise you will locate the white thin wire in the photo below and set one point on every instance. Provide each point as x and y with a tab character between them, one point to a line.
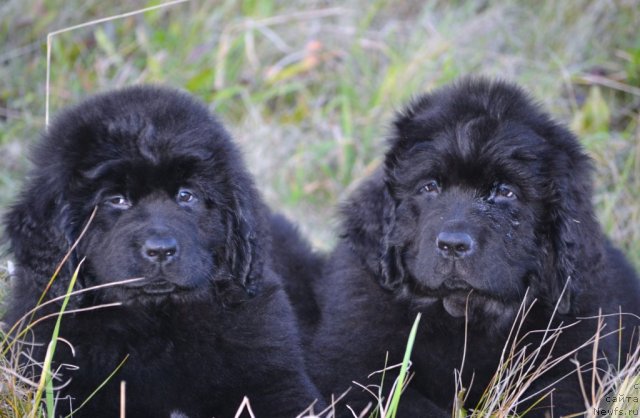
50	36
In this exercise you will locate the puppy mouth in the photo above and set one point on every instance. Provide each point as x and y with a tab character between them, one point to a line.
457	297
157	287
448	288
454	302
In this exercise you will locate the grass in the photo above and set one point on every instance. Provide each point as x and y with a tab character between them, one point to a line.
308	87
385	405
403	377
46	378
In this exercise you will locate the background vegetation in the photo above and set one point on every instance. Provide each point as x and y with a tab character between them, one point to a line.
309	87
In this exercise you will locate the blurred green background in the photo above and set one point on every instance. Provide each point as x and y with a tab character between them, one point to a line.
309	88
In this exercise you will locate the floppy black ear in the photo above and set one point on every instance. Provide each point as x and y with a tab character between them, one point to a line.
369	220
36	228
244	252
576	236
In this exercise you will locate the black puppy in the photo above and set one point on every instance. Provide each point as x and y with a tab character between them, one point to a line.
483	205
208	322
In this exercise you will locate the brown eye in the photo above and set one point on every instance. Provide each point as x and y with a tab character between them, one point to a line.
185	196
118	202
431	186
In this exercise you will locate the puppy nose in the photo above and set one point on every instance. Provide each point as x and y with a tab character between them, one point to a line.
454	244
160	249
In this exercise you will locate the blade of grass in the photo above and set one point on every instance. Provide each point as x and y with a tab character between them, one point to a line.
376	412
46	379
104	382
9	339
395	398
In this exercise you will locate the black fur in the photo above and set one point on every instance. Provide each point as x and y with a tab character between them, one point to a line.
482	196
299	265
209	322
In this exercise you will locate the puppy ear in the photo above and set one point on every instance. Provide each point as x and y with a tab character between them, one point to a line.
369	219
562	276
576	236
38	235
243	251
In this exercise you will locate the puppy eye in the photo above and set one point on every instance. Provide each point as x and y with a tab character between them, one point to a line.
504	192
118	202
185	196
432	186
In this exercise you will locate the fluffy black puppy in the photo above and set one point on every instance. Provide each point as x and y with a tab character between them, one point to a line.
208	322
482	198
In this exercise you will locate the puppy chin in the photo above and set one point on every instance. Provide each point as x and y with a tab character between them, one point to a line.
487	314
455	305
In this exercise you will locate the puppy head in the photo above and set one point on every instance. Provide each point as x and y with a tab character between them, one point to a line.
174	203
482	196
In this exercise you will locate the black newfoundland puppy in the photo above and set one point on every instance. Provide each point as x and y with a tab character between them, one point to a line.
208	321
483	203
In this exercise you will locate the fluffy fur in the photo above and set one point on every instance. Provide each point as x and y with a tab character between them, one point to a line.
208	322
482	198
299	265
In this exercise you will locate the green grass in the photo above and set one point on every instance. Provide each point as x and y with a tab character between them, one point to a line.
403	376
308	88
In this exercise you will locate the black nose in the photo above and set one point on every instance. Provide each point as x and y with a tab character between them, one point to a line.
455	244
160	249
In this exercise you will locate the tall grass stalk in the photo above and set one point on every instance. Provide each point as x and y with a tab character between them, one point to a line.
521	365
13	346
101	385
402	377
389	409
26	394
46	378
613	391
29	316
